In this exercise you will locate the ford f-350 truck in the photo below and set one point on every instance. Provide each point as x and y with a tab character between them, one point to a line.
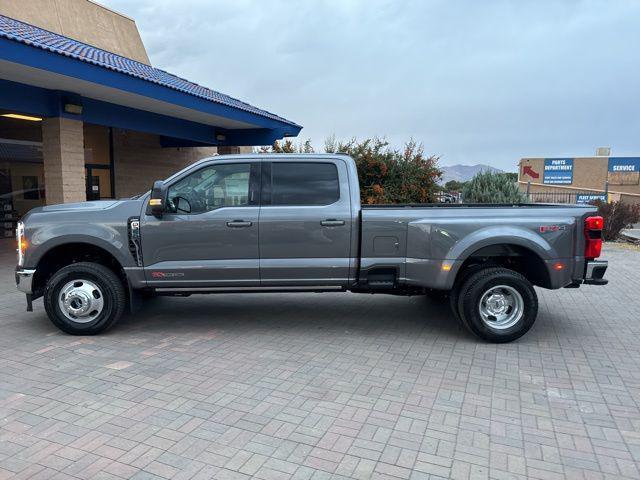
291	223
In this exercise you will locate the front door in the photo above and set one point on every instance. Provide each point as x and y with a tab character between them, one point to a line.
98	183
305	224
208	237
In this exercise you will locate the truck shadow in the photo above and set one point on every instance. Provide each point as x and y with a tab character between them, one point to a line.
239	313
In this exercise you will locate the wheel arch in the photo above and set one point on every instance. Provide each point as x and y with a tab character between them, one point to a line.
61	254
519	256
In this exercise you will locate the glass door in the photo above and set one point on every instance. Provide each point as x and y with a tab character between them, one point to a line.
99	184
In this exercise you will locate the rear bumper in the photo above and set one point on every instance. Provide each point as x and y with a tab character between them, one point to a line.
594	272
24	280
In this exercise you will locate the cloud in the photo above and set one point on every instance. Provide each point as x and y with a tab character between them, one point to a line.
476	82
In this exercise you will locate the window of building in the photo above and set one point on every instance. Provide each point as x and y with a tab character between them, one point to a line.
225	185
304	183
21	171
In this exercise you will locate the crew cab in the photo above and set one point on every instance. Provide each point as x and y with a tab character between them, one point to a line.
291	223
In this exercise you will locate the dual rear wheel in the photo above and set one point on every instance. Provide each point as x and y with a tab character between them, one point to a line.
494	303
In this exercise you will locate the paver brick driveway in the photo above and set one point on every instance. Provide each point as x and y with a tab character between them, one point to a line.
324	386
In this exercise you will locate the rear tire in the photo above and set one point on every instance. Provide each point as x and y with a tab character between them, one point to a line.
497	304
84	298
454	294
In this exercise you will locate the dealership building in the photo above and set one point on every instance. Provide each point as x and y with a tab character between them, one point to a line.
581	179
84	115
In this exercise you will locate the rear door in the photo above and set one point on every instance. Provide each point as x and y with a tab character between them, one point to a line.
305	223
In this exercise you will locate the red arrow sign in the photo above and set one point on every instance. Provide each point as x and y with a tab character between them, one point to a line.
527	170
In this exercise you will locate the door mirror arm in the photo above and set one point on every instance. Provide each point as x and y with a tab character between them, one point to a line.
157	201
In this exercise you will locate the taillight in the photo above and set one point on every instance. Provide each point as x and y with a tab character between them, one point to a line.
593	237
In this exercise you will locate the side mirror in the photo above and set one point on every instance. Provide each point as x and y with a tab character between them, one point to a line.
158	198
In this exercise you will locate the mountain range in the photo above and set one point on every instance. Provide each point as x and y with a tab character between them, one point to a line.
464	173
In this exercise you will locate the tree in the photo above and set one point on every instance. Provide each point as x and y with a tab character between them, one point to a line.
454	186
391	176
287	146
489	187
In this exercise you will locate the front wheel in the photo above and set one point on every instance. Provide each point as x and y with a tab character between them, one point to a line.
497	304
84	298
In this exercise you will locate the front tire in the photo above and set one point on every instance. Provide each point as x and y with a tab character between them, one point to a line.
84	298
497	304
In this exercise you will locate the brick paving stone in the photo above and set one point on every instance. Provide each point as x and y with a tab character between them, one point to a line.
280	386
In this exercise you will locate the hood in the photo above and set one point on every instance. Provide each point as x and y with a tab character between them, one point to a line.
93	205
83	212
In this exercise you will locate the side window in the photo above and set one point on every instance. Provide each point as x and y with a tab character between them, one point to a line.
304	183
225	185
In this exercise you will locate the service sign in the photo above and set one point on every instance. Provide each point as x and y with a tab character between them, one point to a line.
558	171
589	197
624	164
624	170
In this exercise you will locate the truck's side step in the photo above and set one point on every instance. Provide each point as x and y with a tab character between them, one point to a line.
381	279
381	284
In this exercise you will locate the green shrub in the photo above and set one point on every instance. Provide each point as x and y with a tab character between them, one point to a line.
391	176
617	216
489	187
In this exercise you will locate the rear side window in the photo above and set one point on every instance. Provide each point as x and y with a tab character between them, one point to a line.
304	183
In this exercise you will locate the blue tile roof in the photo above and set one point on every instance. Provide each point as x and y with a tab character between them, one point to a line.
40	38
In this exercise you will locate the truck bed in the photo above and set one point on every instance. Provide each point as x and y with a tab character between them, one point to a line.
417	239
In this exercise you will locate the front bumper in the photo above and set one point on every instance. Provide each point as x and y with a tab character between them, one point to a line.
24	280
594	272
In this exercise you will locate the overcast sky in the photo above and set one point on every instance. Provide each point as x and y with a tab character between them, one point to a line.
474	81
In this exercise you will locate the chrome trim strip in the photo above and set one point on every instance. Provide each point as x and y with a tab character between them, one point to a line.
248	289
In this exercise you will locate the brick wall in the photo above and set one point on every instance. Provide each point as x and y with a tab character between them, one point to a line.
139	160
63	155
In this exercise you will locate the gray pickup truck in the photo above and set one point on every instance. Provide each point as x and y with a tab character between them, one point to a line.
291	223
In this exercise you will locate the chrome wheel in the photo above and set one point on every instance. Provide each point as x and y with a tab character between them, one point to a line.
81	301
501	307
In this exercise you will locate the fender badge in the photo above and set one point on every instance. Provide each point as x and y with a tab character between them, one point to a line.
552	228
166	275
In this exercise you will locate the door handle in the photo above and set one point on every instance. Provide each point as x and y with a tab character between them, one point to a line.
239	224
332	222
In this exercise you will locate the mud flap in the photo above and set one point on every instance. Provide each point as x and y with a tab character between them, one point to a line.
135	300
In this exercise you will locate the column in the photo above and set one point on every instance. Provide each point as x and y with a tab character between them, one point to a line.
63	154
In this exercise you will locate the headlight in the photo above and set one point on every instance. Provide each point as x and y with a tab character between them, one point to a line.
22	243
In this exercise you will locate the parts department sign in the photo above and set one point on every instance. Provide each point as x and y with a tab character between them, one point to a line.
558	171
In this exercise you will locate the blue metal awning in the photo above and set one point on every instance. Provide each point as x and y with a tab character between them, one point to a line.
41	71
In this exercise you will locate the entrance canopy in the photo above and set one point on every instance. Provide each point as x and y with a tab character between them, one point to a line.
46	74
